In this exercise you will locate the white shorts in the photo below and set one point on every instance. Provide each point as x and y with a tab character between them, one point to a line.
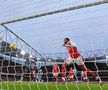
71	76
78	61
55	74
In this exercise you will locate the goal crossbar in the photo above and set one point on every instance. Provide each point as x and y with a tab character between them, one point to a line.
100	2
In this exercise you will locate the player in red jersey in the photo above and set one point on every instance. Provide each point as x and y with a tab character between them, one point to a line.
71	75
63	72
55	71
75	57
84	75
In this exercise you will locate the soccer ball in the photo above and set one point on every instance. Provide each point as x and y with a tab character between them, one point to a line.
12	46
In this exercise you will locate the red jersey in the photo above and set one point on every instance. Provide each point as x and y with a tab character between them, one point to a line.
63	70
72	50
56	69
84	75
71	73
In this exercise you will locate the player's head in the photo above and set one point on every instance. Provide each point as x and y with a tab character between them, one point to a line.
55	63
66	40
71	68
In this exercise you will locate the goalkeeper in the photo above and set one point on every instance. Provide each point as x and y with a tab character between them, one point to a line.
75	57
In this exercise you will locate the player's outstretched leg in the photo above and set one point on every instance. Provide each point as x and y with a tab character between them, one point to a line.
91	73
87	70
79	61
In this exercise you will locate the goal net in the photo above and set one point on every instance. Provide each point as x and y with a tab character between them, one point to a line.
31	53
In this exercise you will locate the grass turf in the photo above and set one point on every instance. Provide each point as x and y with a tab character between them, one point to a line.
50	86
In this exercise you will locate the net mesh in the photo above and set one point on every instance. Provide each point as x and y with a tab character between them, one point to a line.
23	67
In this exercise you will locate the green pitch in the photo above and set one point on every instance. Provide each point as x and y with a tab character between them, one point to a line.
50	86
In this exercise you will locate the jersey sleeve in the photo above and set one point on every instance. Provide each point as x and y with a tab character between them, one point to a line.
73	44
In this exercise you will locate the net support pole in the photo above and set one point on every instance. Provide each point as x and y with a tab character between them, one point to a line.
21	40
